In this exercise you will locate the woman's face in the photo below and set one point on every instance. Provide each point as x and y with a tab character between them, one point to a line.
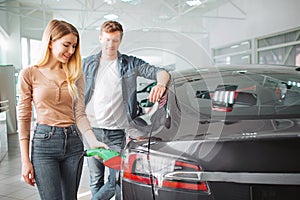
62	49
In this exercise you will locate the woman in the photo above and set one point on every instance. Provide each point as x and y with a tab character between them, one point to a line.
55	86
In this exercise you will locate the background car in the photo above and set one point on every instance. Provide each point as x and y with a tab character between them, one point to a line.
230	132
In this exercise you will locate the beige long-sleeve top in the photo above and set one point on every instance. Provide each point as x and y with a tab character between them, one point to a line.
52	102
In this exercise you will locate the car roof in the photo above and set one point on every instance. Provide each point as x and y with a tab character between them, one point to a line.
230	69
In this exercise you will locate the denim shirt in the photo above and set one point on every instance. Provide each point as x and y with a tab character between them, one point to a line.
129	68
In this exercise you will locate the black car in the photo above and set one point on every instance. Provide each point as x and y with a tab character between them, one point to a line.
229	132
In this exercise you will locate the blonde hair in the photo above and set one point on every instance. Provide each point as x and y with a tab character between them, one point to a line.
56	29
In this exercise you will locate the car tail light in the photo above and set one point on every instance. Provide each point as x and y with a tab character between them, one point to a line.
137	168
224	97
224	100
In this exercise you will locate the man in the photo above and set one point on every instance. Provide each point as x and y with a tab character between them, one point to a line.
111	100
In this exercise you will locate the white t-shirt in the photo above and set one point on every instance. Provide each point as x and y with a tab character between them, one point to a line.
106	108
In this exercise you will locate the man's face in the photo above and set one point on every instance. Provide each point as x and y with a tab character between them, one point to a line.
110	43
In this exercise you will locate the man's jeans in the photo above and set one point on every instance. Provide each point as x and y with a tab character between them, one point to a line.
115	139
55	156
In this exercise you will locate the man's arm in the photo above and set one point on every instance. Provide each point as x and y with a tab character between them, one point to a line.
151	72
163	78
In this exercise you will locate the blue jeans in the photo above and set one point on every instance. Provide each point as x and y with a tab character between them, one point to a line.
55	156
115	139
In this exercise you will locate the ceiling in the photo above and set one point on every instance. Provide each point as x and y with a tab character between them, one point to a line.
89	14
142	15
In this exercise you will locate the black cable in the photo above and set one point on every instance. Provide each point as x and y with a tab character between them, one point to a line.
148	158
77	173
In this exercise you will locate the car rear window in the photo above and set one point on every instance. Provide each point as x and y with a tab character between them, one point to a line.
241	94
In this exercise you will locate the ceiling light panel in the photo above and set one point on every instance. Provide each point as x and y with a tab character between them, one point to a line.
194	2
111	17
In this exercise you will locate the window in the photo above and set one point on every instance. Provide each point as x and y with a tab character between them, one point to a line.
252	93
30	48
283	48
237	53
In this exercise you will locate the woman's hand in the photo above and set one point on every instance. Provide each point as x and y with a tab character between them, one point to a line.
97	144
92	141
28	173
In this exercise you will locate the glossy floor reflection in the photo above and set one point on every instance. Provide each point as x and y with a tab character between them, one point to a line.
11	186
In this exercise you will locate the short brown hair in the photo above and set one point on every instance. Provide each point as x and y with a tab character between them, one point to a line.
111	26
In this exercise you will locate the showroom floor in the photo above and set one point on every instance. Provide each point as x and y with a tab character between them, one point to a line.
11	186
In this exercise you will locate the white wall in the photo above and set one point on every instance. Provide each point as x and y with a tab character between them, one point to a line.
11	24
165	47
3	38
261	17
